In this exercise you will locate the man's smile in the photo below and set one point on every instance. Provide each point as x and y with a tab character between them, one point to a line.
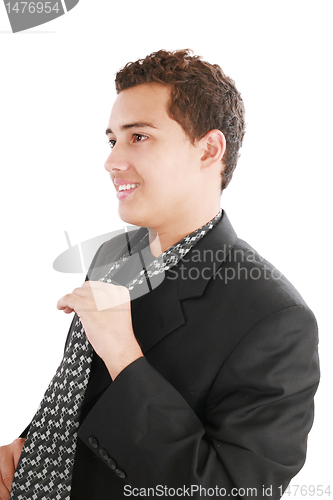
125	187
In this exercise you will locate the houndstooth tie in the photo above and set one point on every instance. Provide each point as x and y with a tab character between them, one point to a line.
45	467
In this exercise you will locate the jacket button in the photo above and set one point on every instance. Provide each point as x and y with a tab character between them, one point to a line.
111	463
120	473
104	454
93	442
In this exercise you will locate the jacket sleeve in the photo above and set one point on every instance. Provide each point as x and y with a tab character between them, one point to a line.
258	413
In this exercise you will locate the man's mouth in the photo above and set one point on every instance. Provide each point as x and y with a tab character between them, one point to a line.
124	187
125	190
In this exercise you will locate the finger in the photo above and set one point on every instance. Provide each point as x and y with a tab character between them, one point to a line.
80	291
70	303
7	475
68	310
4	492
18	450
87	283
66	302
65	308
70	298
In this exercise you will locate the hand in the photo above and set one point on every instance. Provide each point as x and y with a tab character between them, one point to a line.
105	313
9	457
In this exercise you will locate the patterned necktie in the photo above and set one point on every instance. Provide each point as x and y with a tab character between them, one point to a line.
44	471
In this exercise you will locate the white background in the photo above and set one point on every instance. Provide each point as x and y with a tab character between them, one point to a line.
56	94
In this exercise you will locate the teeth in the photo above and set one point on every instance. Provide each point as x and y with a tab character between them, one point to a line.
124	187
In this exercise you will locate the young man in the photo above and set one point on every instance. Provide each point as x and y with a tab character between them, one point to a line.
201	367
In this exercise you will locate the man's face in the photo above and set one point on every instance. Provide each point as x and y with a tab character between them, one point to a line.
152	154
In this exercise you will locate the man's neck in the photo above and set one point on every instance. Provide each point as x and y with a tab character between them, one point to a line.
164	237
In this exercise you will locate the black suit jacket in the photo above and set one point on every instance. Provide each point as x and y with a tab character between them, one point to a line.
223	397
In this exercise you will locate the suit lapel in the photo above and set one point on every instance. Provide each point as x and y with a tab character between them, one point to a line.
205	258
159	312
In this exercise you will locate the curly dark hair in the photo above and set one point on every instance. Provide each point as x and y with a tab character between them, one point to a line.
202	97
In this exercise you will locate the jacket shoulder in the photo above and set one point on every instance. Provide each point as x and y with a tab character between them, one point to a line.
265	276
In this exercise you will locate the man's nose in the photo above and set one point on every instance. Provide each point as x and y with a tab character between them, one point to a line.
116	161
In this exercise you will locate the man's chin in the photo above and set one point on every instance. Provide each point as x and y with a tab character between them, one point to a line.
130	217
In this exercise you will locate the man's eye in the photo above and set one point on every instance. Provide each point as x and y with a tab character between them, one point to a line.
112	143
139	137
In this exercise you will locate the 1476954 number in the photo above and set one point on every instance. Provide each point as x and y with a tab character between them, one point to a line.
306	490
33	7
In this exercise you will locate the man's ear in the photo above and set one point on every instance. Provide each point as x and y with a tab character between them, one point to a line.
214	146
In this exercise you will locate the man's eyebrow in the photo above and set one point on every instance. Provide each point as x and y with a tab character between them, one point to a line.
132	125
